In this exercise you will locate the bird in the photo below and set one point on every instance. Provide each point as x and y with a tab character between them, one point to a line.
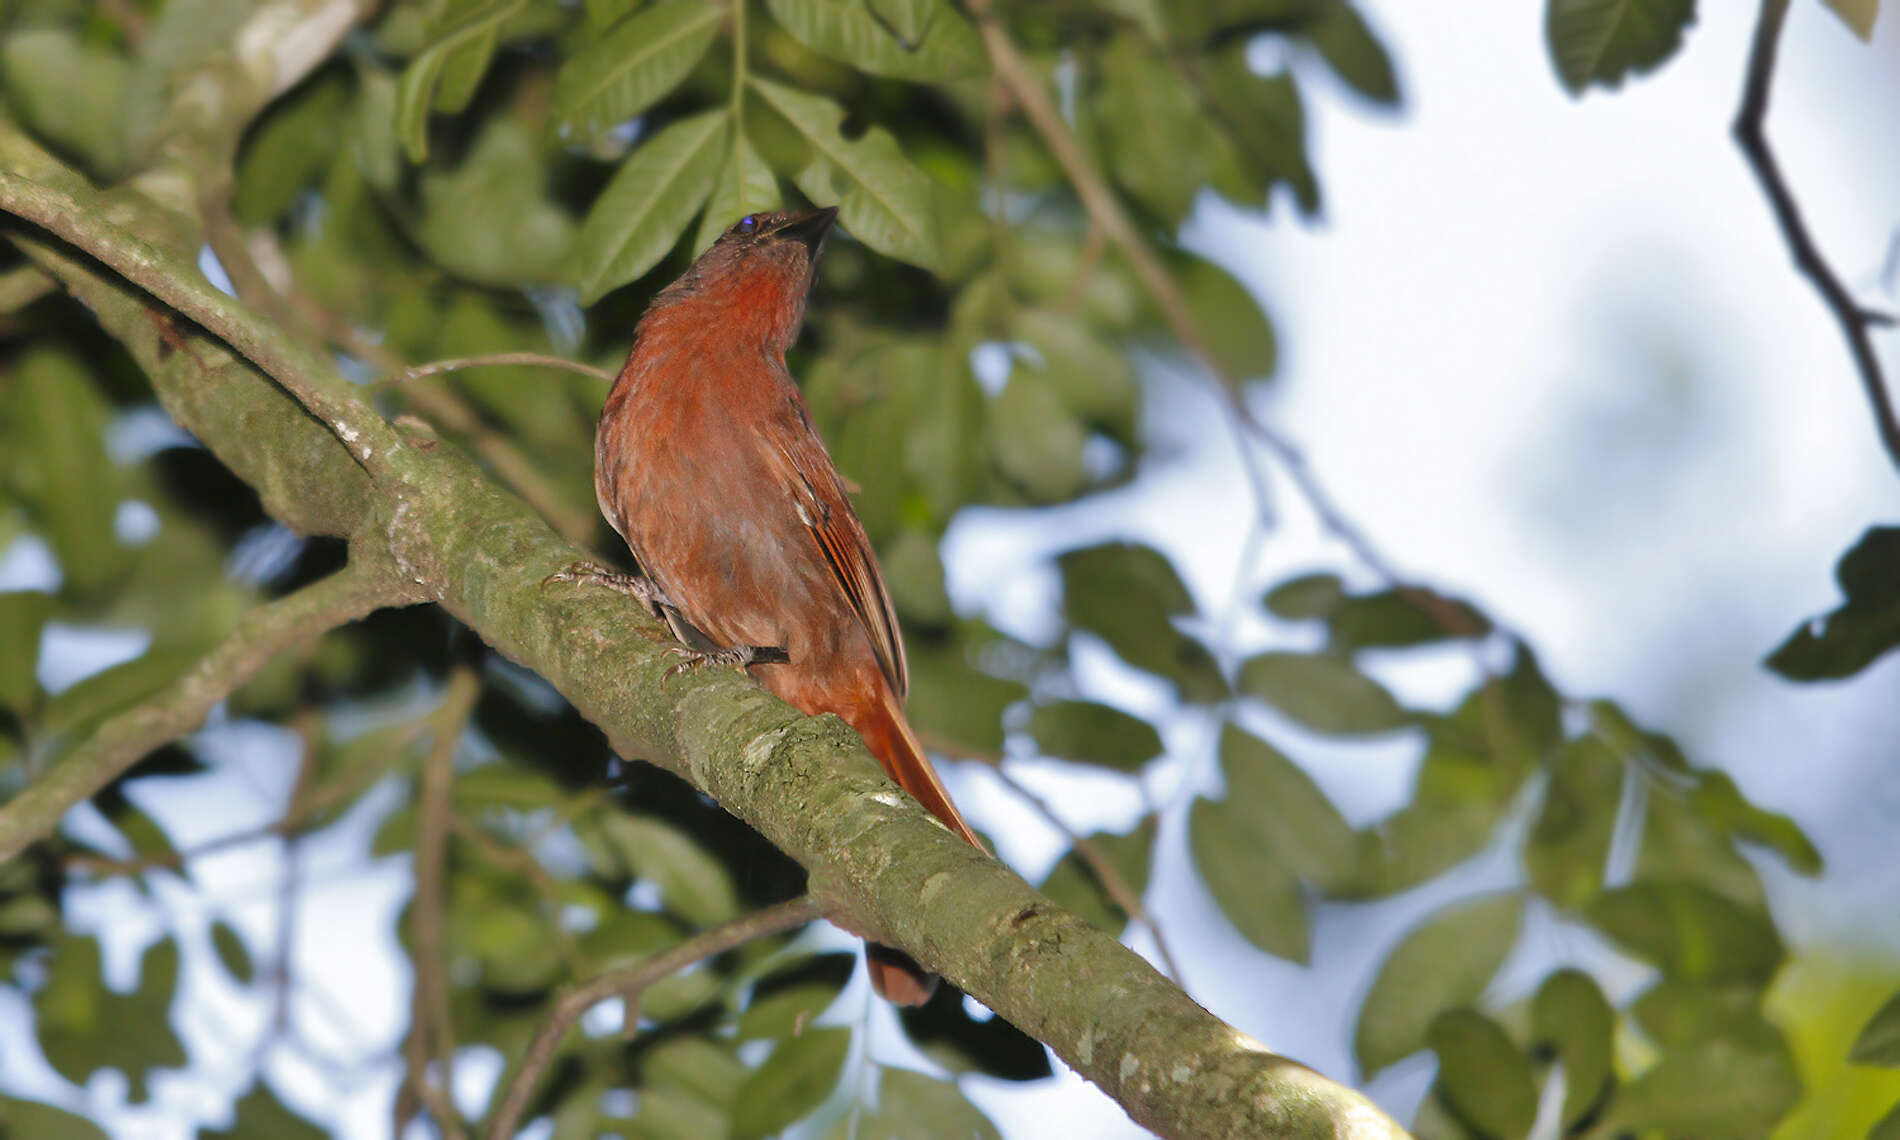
708	465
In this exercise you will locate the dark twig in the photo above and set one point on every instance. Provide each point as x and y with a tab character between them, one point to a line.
1855	320
493	359
630	982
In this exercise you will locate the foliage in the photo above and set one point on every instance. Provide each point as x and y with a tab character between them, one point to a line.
468	176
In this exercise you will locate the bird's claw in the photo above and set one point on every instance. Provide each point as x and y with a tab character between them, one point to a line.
737	657
594	574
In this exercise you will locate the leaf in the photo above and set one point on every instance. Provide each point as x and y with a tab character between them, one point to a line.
648	204
1308	596
1279	802
465	45
23	615
231	951
1321	692
288	151
1485	1078
491	219
1400	619
1228	318
1266	120
908	20
1858	15
1679	844
912	1106
793	1081
1690	932
1092	733
1675	1013
1737	1086
1256	892
260	1113
1340	35
83	1026
848	31
69	91
1073	884
1571	1015
635	65
1127	594
31	1120
884	200
1879	1040
1094	380
1719	802
1601	41
1887	1127
784	1013
111	690
1036	443
1443	963
72	489
1864	628
1569	844
954	701
693	883
1161	147
745	185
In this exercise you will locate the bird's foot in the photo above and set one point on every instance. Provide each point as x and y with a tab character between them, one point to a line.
594	574
738	657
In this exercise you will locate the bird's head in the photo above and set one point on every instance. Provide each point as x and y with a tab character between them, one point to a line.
755	277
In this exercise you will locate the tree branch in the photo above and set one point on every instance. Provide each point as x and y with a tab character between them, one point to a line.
1751	134
365	585
631	982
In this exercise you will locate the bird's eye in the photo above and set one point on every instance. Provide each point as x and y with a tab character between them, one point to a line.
747	224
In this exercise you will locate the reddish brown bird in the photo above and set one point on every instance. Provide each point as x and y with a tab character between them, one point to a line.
707	463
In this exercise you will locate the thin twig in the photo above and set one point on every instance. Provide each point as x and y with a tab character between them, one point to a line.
309	728
493	359
1752	136
178	708
1099	864
630	982
431	1026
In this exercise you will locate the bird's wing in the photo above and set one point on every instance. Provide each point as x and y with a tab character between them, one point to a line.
818	494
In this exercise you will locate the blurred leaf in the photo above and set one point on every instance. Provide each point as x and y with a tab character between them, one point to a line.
644	210
1674	1012
1569	844
1092	733
912	1106
1858	15
1679	843
70	91
884	200
908	20
1281	805
1321	692
1443	963
744	185
1400	619
490	218
1601	41
1256	892
784	1013
1486	1078
288	150
504	931
1127	594
1037	444
1339	33
444	74
58	419
1571	1016
617	76
1266	120
1735	1086
795	1079
1887	1127
1307	596
373	141
31	1120
1690	932
23	615
848	31
83	1026
1879	1040
1228	319
260	1114
1161	146
231	951
111	690
1852	637
914	572
26	916
693	883
1095	381
686	1090
1718	801
1073	885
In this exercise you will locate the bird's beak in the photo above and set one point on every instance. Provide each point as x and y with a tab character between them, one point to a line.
810	228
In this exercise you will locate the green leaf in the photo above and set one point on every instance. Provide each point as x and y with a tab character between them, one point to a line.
1718	801
70	91
83	1026
633	66
1128	594
1675	1013
848	31
1887	1127
884	200
1879	1040
231	951
31	1120
908	20
1161	146
58	418
1444	963
1321	692
1340	35
912	1106
26	916
1256	892
795	1079
1678	843
1485	1078
693	883
1737	1086
1860	631
785	1013
1266	120
1278	802
1690	932
647	206
1073	884
1036	443
23	615
288	151
1095	381
1308	596
491	219
1569	844
954	701
1400	619
1601	41
1858	15
443	75
1230	321
1092	733
1571	1016
745	185
260	1114
111	690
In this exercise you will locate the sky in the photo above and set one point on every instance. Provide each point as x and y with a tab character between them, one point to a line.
1547	353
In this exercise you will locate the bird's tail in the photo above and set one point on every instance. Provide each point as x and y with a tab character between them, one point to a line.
894	975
